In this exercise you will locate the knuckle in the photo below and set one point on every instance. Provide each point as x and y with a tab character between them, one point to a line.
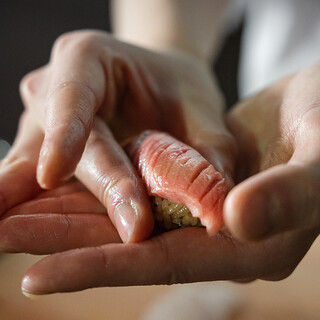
63	41
66	222
173	272
79	125
169	275
26	86
82	42
309	122
116	187
74	125
104	260
75	93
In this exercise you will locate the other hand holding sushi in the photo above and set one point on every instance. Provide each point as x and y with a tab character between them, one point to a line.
91	79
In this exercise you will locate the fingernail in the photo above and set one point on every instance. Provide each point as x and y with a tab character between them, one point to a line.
40	174
259	222
43	158
25	283
51	171
125	216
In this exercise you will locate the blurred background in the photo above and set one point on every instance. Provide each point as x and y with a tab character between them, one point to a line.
28	30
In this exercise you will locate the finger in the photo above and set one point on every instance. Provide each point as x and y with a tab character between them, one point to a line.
175	171
66	203
248	280
180	256
17	175
75	92
108	173
47	225
68	188
282	198
47	233
33	88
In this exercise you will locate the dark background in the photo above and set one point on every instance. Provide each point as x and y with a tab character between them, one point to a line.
29	28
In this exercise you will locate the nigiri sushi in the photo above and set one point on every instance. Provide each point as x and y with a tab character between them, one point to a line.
186	189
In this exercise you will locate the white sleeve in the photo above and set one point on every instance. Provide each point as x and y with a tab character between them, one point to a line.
280	37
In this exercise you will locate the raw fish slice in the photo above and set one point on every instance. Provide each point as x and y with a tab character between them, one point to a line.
174	171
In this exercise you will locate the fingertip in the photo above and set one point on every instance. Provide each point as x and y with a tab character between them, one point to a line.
214	228
25	288
50	177
231	216
33	287
134	222
54	168
246	214
144	226
124	217
41	177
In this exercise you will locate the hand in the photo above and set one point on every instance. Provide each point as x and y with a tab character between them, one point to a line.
179	256
289	174
279	164
65	218
71	217
18	182
131	89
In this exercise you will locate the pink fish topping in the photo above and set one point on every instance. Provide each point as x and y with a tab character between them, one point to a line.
174	171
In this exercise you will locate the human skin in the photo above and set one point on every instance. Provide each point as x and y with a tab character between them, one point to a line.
131	89
285	173
273	240
278	134
167	86
71	217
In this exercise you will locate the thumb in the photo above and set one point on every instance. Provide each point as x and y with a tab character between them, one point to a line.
282	198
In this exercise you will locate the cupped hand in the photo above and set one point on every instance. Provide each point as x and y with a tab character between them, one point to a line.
278	135
131	89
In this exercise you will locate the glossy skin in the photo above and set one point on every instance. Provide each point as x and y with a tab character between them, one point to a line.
279	161
166	258
131	89
65	218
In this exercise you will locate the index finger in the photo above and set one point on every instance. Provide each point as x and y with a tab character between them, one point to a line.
180	256
76	90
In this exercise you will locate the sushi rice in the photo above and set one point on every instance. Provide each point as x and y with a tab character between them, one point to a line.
172	215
